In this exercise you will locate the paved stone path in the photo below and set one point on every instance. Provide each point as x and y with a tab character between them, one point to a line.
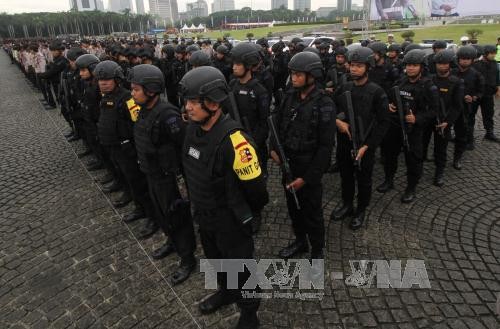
67	260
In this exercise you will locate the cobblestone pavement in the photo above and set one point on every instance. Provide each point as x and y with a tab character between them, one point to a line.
67	260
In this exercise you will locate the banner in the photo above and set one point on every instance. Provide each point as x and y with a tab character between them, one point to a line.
415	9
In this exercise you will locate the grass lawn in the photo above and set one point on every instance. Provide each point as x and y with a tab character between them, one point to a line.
454	31
259	32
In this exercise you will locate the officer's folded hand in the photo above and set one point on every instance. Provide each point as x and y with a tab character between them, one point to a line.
343	127
297	184
392	108
468	99
442	125
361	152
410	118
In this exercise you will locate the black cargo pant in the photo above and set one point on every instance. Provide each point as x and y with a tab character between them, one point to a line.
487	104
222	237
393	143
307	222
350	176
177	222
124	157
461	127
440	144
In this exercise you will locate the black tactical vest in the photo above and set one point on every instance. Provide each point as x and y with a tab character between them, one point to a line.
113	124
246	100
147	137
207	189
299	124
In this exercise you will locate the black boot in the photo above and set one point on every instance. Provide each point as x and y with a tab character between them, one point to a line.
357	220
112	187
341	212
73	138
149	230
457	162
69	134
216	301
491	136
136	214
122	201
294	248
163	251
439	178
248	320
105	179
470	146
95	165
386	186
183	272
409	195
84	153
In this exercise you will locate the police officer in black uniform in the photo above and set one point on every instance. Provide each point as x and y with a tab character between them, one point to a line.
279	69
335	75
115	128
451	93
222	61
159	134
226	184
487	66
383	73
437	47
306	128
473	91
53	71
199	58
179	68
371	108
420	100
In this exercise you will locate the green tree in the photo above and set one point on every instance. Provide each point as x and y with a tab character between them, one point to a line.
408	35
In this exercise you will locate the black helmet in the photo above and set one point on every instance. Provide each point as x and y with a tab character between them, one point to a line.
479	50
168	50
361	55
296	40
415	56
411	47
56	45
278	47
204	82
307	62
378	47
108	70
262	42
395	47
148	76
87	61
146	52
341	51
312	50
324	46
444	57
222	49
439	44
74	53
405	44
488	49
199	58
192	48
245	53
180	49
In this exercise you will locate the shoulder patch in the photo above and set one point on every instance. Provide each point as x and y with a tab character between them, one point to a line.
246	164
133	109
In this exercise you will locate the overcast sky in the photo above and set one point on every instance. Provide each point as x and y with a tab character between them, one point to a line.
11	6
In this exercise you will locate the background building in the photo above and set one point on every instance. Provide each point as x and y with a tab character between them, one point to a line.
164	9
197	9
344	5
86	5
276	4
324	11
139	6
222	5
119	5
302	5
